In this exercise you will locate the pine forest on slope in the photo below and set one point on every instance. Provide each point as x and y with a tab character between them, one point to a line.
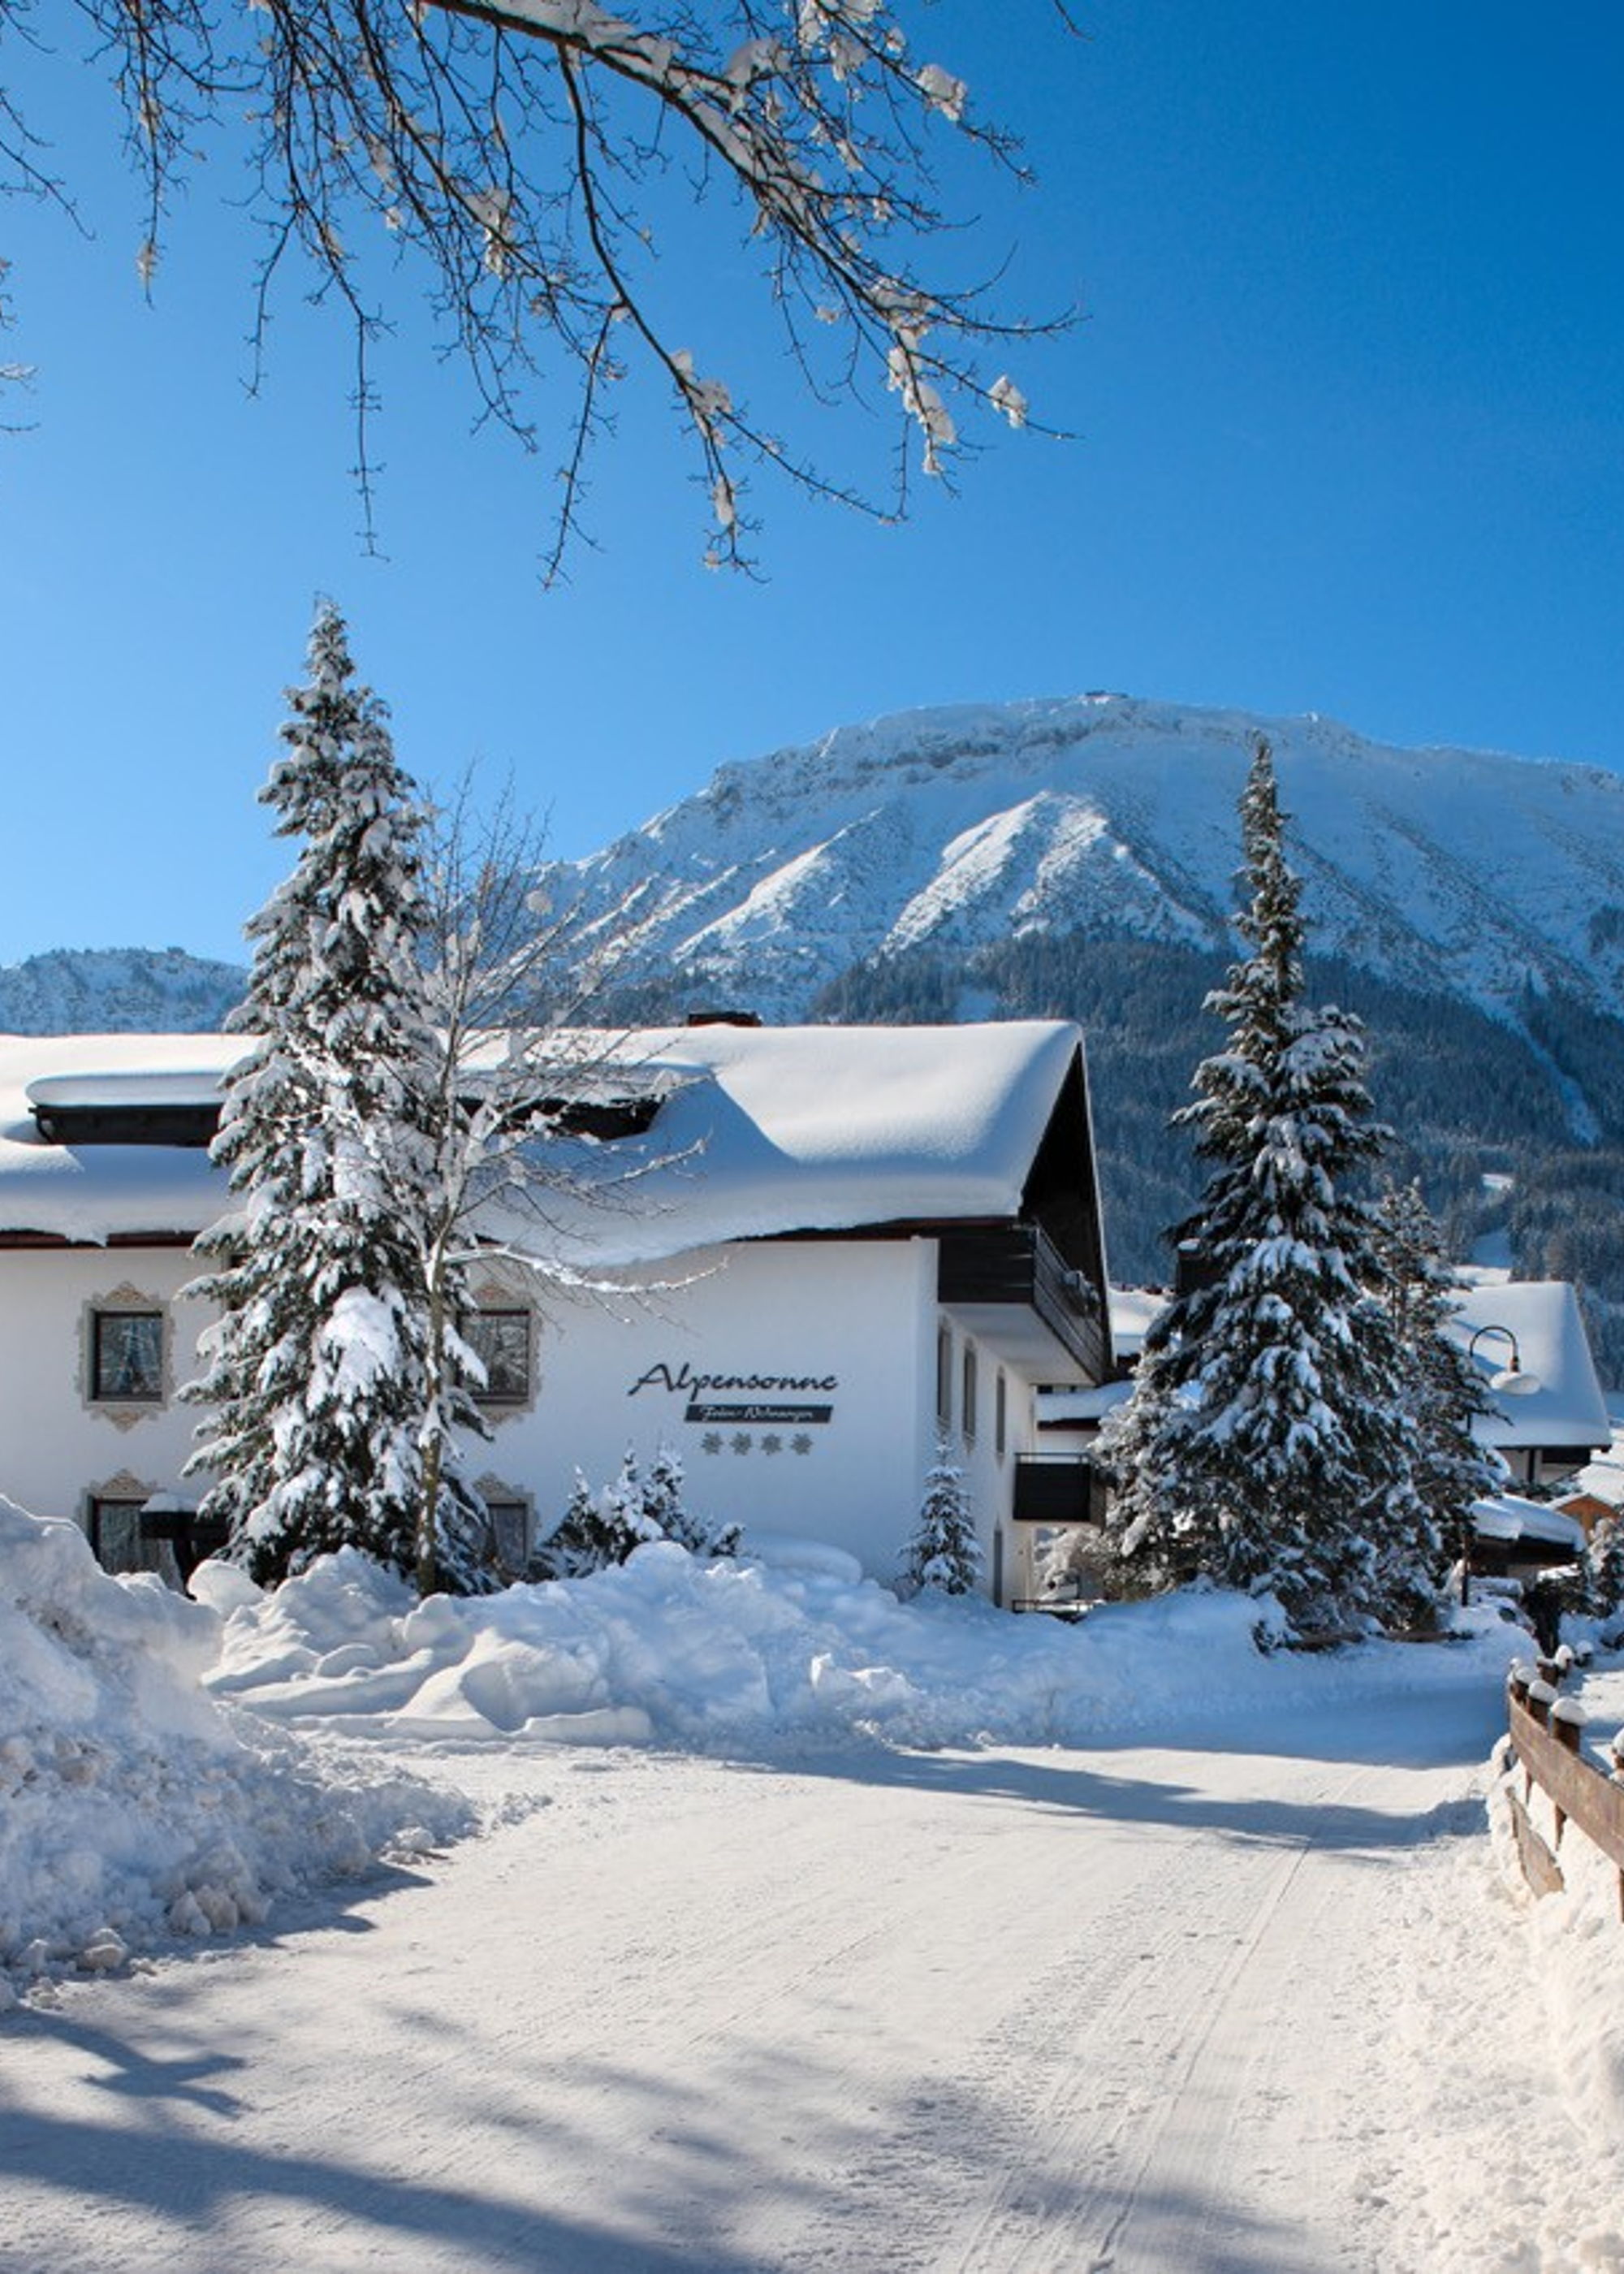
1076	858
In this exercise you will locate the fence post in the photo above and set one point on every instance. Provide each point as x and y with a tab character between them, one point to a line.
1567	1723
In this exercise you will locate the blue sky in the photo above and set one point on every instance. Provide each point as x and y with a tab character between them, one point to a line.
1348	407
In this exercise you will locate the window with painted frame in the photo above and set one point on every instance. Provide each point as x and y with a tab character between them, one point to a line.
513	1525
126	1356
502	1339
971	1398
944	1376
120	1543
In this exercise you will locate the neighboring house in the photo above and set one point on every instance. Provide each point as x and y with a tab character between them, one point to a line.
1596	1494
818	1248
1527	1338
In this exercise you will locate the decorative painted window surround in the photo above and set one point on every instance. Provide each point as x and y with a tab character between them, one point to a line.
126	1355
109	1519
507	1345
513	1525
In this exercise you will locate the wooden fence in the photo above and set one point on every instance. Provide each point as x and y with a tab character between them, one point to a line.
1546	1734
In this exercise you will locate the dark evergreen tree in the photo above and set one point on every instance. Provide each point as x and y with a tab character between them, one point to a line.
1441	1393
665	1506
943	1552
318	1370
599	1528
1264	1444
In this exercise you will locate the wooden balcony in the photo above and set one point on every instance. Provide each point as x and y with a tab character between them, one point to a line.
1014	1265
1058	1489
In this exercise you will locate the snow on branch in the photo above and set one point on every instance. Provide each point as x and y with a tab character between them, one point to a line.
517	150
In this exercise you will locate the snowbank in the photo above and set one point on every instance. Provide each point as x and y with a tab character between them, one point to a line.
717	1656
133	1807
1575	1939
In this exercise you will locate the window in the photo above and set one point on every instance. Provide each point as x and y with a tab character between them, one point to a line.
510	1535
502	1339
971	1398
119	1543
126	1358
1001	1413
944	1376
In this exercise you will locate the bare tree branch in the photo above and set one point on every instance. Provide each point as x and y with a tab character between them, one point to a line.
512	148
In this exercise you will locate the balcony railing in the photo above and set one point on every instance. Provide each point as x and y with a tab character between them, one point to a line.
1057	1489
1020	1263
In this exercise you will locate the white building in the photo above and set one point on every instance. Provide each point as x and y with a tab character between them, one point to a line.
820	1246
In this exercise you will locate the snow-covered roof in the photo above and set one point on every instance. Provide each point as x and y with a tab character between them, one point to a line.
1600	1480
1060	1409
1132	1309
761	1130
93	1193
1508	1516
1538	1322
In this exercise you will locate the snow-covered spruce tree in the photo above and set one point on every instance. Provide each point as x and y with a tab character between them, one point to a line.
327	1402
1264	1444
599	1528
1441	1393
604	1527
943	1552
665	1505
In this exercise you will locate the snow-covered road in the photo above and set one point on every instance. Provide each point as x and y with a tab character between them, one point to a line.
1032	2012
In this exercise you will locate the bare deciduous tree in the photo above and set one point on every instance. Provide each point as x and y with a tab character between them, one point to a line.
528	1092
510	145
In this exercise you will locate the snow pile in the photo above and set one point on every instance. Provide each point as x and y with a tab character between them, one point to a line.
793	1650
1576	1937
132	1808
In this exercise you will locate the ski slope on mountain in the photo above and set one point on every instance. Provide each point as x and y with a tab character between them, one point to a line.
1452	871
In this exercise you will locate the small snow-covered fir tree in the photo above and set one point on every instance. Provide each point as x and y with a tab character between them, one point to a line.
942	1552
602	1527
1441	1393
663	1503
599	1528
1264	1444
326	1400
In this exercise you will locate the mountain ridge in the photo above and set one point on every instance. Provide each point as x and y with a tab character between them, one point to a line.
1075	857
960	826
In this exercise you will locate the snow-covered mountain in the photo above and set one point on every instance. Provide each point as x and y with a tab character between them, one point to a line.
117	991
1077	857
1446	871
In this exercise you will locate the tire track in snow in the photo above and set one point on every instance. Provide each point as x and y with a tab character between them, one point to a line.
1104	2105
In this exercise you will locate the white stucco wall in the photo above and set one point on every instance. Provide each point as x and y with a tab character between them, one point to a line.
839	1456
56	1446
839	1460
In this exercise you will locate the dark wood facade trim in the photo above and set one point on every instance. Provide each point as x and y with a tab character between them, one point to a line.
114	1239
1020	1263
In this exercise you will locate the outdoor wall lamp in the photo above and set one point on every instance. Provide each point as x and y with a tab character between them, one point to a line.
1511	1380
